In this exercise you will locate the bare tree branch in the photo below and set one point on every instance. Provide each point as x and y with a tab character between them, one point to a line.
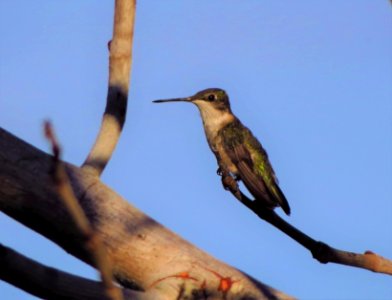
48	283
144	254
320	251
92	241
119	74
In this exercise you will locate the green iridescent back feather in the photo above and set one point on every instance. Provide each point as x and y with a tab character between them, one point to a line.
235	134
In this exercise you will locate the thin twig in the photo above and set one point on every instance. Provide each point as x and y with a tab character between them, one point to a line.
92	241
320	251
49	283
119	75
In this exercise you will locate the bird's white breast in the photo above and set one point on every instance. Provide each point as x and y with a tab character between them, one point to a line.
213	121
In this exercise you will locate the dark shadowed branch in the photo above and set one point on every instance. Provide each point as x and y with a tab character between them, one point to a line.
144	254
320	251
119	74
91	240
49	283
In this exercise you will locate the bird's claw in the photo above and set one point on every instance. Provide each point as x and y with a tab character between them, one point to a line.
219	171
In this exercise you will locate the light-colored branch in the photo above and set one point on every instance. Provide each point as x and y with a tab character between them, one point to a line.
48	283
91	240
369	260
119	75
320	251
144	254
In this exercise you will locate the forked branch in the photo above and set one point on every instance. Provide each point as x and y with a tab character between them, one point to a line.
119	74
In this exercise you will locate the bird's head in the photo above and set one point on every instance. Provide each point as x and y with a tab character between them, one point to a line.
208	99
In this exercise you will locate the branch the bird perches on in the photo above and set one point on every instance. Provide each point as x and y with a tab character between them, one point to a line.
320	251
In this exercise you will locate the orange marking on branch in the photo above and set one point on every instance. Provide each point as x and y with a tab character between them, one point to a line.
181	275
225	283
214	272
185	275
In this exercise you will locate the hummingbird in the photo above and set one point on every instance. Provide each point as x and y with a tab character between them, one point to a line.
238	152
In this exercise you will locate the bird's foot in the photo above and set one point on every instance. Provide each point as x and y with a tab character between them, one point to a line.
219	171
230	183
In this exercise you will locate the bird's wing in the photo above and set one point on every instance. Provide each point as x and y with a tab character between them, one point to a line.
253	182
258	176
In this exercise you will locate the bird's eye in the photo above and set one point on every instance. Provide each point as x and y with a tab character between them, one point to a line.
211	97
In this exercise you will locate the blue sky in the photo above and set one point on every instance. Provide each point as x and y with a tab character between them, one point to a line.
311	79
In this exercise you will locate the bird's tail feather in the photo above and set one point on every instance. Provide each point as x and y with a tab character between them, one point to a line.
284	204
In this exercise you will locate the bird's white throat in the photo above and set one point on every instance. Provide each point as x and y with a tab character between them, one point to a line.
213	118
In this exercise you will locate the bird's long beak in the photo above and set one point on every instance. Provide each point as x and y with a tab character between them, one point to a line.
188	99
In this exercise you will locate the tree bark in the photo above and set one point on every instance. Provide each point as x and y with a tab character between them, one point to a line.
145	255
